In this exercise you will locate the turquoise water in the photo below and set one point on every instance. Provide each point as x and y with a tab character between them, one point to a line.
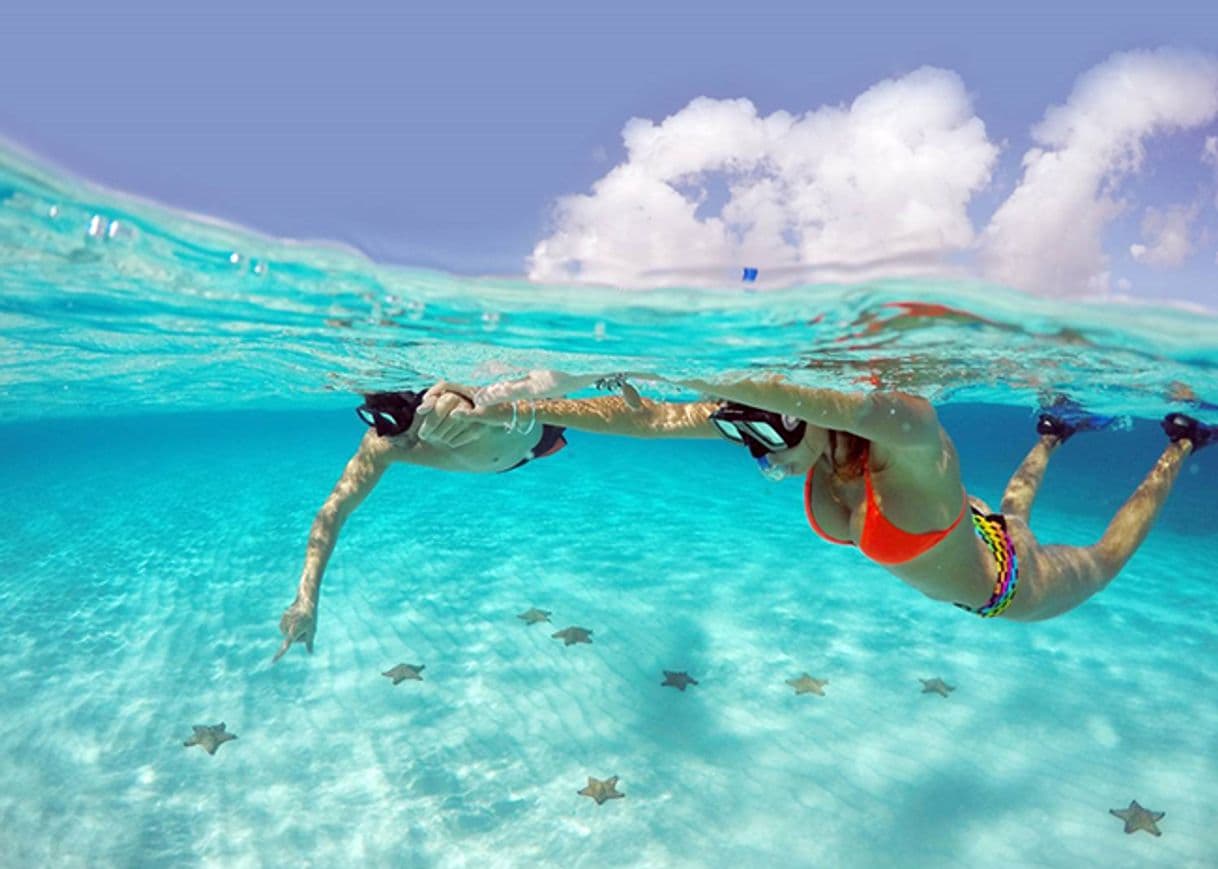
176	404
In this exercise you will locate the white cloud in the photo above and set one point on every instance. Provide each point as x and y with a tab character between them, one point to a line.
1209	154
1047	235
879	186
1168	236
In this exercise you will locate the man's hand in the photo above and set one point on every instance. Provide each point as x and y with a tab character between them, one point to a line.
298	624
440	426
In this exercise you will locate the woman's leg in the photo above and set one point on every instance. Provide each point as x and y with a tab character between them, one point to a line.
1132	522
1060	420
1024	483
1060	578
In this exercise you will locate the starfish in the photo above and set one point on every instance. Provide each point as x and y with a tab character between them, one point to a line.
209	737
533	615
402	672
1137	818
572	635
602	790
678	680
936	686
805	684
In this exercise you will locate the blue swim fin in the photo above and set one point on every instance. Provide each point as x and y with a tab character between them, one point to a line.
1065	417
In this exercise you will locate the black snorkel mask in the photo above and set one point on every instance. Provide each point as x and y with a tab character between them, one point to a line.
762	431
390	413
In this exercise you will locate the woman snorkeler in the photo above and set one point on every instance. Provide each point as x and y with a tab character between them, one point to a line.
882	474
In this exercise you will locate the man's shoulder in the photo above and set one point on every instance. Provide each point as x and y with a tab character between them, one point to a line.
383	450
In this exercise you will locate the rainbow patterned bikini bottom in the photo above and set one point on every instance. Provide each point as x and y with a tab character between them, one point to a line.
992	529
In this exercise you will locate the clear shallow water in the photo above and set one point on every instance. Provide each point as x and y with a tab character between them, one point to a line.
145	574
147	553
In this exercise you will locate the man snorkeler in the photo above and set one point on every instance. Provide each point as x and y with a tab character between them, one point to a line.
417	428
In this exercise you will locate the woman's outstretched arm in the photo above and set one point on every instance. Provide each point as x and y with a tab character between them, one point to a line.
896	419
606	415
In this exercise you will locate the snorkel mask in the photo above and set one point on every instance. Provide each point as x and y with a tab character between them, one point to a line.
390	413
762	431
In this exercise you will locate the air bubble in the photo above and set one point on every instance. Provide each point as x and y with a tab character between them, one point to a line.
97	226
260	269
490	320
234	258
118	229
53	211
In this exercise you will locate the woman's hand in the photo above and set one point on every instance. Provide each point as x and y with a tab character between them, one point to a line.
298	624
501	415
440	426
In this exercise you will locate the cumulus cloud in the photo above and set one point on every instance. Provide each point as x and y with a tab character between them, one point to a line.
1167	235
879	186
1047	236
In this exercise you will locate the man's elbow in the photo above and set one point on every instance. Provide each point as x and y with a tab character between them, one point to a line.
328	518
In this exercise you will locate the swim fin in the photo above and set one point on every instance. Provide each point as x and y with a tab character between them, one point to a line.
1065	417
1179	426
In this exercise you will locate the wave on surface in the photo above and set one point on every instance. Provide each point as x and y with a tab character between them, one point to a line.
112	306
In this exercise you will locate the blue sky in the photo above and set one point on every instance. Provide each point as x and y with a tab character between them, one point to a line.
449	136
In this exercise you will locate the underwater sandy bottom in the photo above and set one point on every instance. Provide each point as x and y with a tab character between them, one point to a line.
142	591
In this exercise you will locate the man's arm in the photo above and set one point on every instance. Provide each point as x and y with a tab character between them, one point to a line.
360	477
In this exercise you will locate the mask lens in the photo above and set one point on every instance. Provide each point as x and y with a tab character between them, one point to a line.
383	421
728	430
765	432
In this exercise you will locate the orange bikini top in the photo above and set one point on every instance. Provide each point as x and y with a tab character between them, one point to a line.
880	540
